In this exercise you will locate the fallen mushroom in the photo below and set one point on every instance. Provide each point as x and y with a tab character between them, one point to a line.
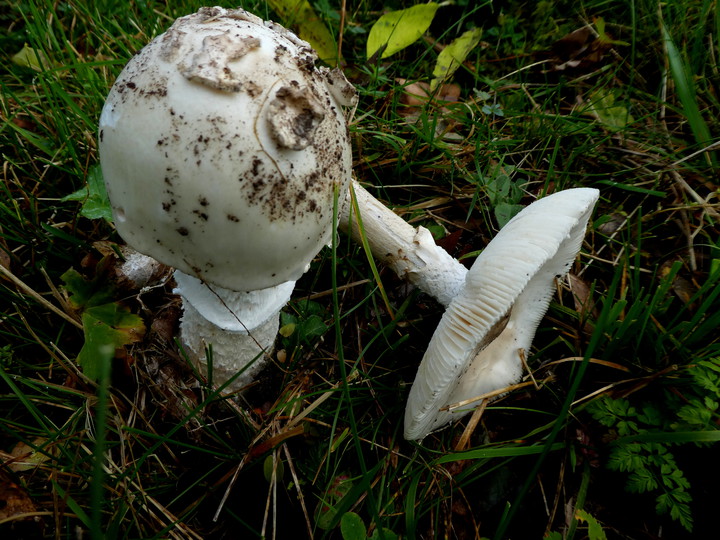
223	146
478	345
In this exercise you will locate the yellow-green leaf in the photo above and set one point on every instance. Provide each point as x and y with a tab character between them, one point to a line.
287	330
300	15
106	328
96	204
30	58
396	30
26	458
603	37
452	56
612	115
595	530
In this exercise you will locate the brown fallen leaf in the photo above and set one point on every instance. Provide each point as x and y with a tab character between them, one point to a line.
450	241
582	298
418	102
418	94
4	254
579	51
682	287
4	259
17	511
24	457
613	222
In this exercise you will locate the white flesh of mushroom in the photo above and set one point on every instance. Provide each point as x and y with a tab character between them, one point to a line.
479	341
222	146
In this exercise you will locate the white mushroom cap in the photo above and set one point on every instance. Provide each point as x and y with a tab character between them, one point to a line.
222	145
477	346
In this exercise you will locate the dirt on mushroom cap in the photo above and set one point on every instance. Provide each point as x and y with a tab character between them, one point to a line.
222	149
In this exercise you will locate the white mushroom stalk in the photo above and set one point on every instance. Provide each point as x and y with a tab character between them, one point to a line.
411	252
478	345
222	146
241	327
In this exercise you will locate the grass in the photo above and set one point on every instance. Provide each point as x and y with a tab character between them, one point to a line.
625	417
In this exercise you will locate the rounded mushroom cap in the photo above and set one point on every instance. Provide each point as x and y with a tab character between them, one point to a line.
222	145
479	341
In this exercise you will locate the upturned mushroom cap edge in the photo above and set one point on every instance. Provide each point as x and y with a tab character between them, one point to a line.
477	346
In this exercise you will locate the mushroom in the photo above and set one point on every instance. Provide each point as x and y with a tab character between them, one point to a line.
480	341
223	146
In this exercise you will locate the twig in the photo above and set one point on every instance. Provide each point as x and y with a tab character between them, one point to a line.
523	360
298	488
472	424
37	297
708	148
228	490
694	194
492	394
341	31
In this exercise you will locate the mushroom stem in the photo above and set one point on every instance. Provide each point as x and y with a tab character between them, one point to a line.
232	352
411	252
241	326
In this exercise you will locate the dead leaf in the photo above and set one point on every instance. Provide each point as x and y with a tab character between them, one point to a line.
172	398
582	298
164	325
579	50
418	102
682	287
16	507
25	457
419	94
450	241
24	123
612	223
4	257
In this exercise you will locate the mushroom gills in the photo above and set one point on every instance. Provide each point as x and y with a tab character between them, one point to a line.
477	346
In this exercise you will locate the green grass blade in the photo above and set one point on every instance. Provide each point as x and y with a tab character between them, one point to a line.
686	92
